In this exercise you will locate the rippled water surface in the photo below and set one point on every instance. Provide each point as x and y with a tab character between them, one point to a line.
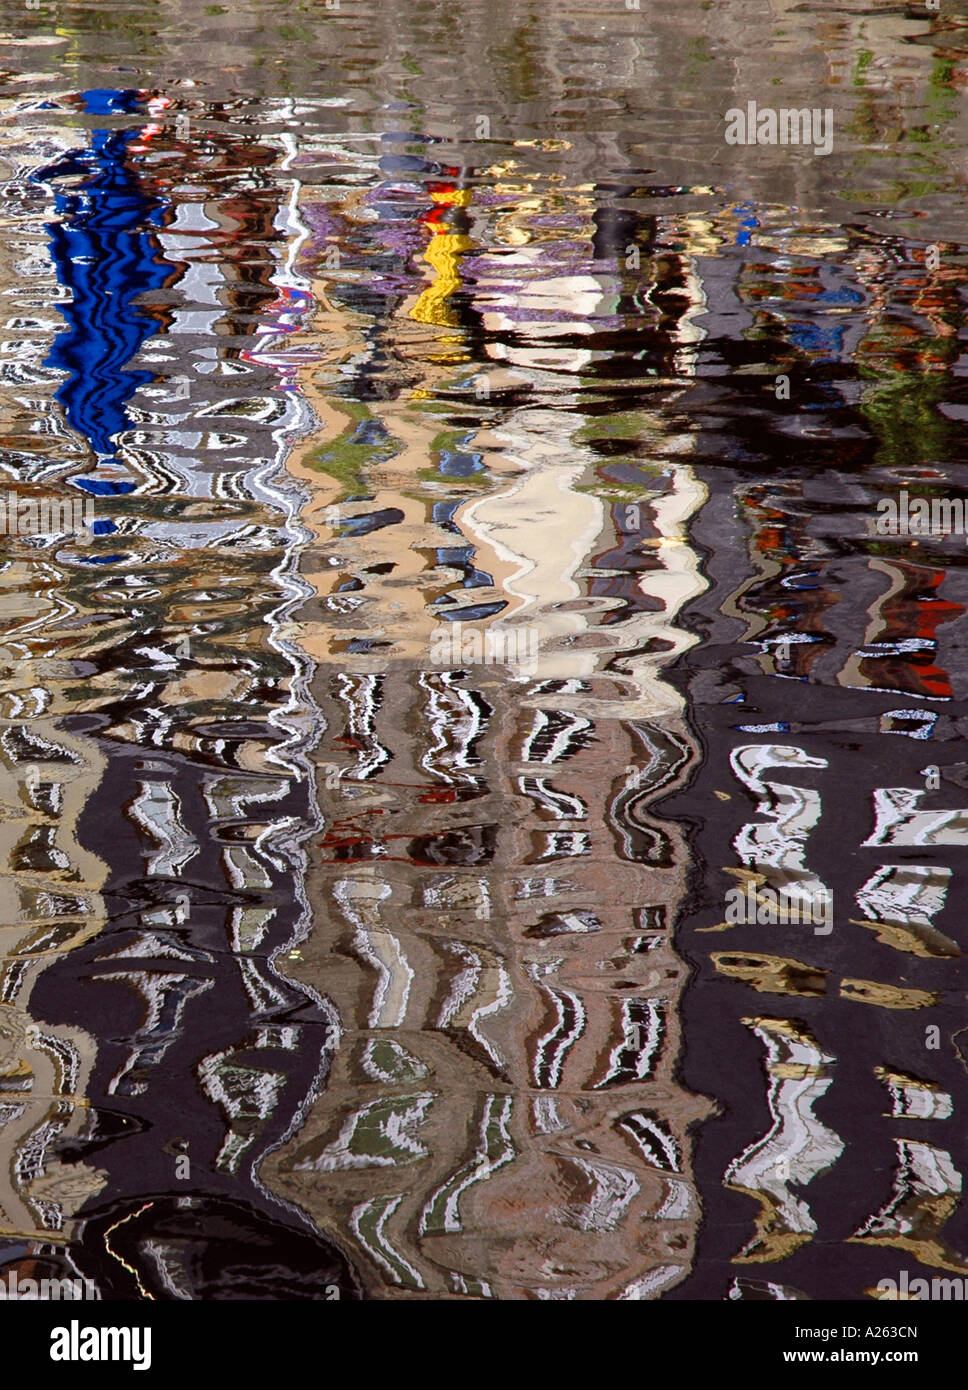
440	562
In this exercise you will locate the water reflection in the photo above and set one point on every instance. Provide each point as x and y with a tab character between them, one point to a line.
343	953
511	1035
104	258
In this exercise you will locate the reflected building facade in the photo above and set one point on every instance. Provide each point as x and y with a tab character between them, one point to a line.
495	903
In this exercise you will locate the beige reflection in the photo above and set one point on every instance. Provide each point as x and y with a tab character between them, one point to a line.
50	886
494	903
50	902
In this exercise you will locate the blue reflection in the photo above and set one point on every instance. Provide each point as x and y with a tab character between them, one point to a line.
106	253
